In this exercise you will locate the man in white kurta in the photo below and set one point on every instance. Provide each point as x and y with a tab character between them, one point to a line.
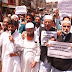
10	58
31	55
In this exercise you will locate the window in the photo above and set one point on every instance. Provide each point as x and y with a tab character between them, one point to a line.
11	2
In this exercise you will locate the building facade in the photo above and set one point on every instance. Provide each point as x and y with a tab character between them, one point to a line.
35	4
51	6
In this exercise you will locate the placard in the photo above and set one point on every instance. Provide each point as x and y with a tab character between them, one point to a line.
46	35
59	50
65	6
21	10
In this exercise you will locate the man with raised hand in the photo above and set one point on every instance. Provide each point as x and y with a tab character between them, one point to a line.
10	55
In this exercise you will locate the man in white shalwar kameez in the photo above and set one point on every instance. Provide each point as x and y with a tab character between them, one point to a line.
31	55
10	57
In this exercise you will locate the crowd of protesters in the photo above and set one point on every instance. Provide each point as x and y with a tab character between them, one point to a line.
21	47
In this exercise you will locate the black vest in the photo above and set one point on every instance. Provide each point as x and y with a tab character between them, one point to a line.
62	64
43	48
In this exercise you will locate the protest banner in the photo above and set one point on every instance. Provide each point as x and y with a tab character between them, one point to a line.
65	6
64	15
46	35
59	50
21	10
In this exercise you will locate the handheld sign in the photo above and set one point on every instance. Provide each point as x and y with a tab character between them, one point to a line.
21	10
65	6
46	35
60	50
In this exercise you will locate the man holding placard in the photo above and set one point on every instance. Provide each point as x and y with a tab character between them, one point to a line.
46	33
62	62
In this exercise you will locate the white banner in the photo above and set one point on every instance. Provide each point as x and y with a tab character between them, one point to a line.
60	50
51	1
65	6
46	35
63	15
21	10
5	1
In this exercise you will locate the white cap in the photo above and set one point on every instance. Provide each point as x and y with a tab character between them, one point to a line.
9	14
14	16
30	25
48	17
65	21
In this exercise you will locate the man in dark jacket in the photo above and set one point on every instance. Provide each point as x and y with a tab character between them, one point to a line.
60	64
45	65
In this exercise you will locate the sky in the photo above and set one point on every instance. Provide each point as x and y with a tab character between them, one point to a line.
51	0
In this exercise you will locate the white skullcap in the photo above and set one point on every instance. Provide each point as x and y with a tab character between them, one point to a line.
14	16
9	14
48	17
30	25
65	21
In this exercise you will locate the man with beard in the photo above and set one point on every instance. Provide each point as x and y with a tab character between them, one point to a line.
37	21
45	65
31	54
60	64
37	24
29	18
9	41
22	19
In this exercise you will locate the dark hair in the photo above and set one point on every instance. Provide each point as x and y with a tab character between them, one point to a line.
37	16
13	22
33	12
46	14
30	16
66	17
41	10
23	15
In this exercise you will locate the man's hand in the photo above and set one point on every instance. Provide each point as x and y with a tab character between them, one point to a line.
57	14
53	39
11	39
33	64
59	33
0	27
71	46
13	54
47	45
23	35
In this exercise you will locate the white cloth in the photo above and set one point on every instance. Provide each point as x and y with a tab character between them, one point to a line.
29	25
14	16
1	31
45	66
56	70
48	17
10	64
30	54
65	21
37	30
